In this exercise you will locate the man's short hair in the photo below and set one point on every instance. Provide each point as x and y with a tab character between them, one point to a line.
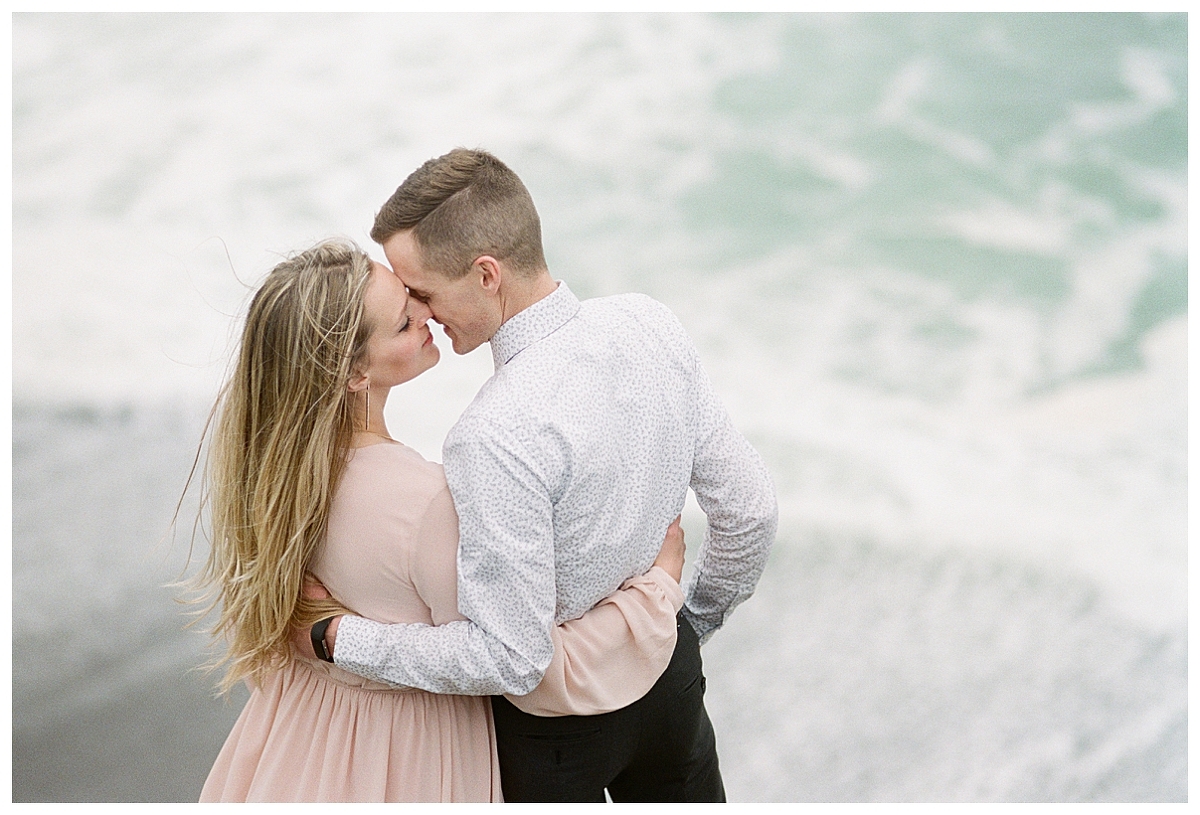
460	206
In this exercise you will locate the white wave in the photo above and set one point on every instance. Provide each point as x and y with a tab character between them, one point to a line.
302	131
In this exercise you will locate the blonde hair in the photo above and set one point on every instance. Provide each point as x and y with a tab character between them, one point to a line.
284	422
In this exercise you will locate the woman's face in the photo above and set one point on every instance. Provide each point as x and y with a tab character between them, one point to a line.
401	345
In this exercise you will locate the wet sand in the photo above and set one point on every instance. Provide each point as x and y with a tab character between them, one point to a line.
154	743
107	704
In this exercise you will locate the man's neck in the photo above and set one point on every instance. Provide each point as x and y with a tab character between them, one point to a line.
525	293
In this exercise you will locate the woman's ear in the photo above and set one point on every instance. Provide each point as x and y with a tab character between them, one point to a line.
358	382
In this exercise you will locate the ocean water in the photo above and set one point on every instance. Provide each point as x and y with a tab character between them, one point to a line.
936	266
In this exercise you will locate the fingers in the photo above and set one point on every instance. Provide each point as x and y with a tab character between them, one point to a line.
302	643
314	589
674	533
671	555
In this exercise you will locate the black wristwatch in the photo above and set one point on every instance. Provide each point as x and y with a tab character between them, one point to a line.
318	639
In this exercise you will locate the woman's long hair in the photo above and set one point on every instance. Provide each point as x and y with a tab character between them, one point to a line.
284	423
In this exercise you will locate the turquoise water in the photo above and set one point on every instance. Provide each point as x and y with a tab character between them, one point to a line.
935	264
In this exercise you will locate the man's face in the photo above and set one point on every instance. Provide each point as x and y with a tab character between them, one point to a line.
463	307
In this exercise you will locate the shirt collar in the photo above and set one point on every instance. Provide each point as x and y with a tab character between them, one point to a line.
535	323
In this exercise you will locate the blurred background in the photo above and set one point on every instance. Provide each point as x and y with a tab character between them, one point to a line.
936	266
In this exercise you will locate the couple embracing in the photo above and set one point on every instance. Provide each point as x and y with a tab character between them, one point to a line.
508	625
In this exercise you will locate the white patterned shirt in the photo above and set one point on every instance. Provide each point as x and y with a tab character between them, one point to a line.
566	470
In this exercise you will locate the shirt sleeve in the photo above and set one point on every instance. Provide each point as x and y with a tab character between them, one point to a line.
735	491
506	584
612	655
607	659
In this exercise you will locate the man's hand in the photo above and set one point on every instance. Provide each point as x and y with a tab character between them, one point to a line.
301	639
670	557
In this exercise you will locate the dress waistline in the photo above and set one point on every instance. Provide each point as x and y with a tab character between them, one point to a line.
341	676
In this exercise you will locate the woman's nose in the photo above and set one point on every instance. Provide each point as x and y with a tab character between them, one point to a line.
421	312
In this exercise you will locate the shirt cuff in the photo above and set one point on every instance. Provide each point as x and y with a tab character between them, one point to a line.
354	639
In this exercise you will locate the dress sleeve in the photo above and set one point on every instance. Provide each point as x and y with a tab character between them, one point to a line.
612	655
434	569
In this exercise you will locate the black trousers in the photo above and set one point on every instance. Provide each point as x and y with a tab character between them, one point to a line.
660	748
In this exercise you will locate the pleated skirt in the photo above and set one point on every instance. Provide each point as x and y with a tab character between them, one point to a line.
309	734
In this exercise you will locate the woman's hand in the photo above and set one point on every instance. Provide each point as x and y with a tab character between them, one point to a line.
670	557
314	589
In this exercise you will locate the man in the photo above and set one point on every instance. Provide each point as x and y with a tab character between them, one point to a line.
565	471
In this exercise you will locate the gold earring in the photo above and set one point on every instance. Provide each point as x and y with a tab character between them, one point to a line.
367	417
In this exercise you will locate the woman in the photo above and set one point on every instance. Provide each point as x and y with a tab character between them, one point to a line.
304	476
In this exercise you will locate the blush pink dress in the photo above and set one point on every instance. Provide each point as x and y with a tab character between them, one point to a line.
314	732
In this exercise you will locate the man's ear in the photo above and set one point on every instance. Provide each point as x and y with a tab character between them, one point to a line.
491	275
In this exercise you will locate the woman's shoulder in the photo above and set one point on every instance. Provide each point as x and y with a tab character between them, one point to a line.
377	534
393	464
